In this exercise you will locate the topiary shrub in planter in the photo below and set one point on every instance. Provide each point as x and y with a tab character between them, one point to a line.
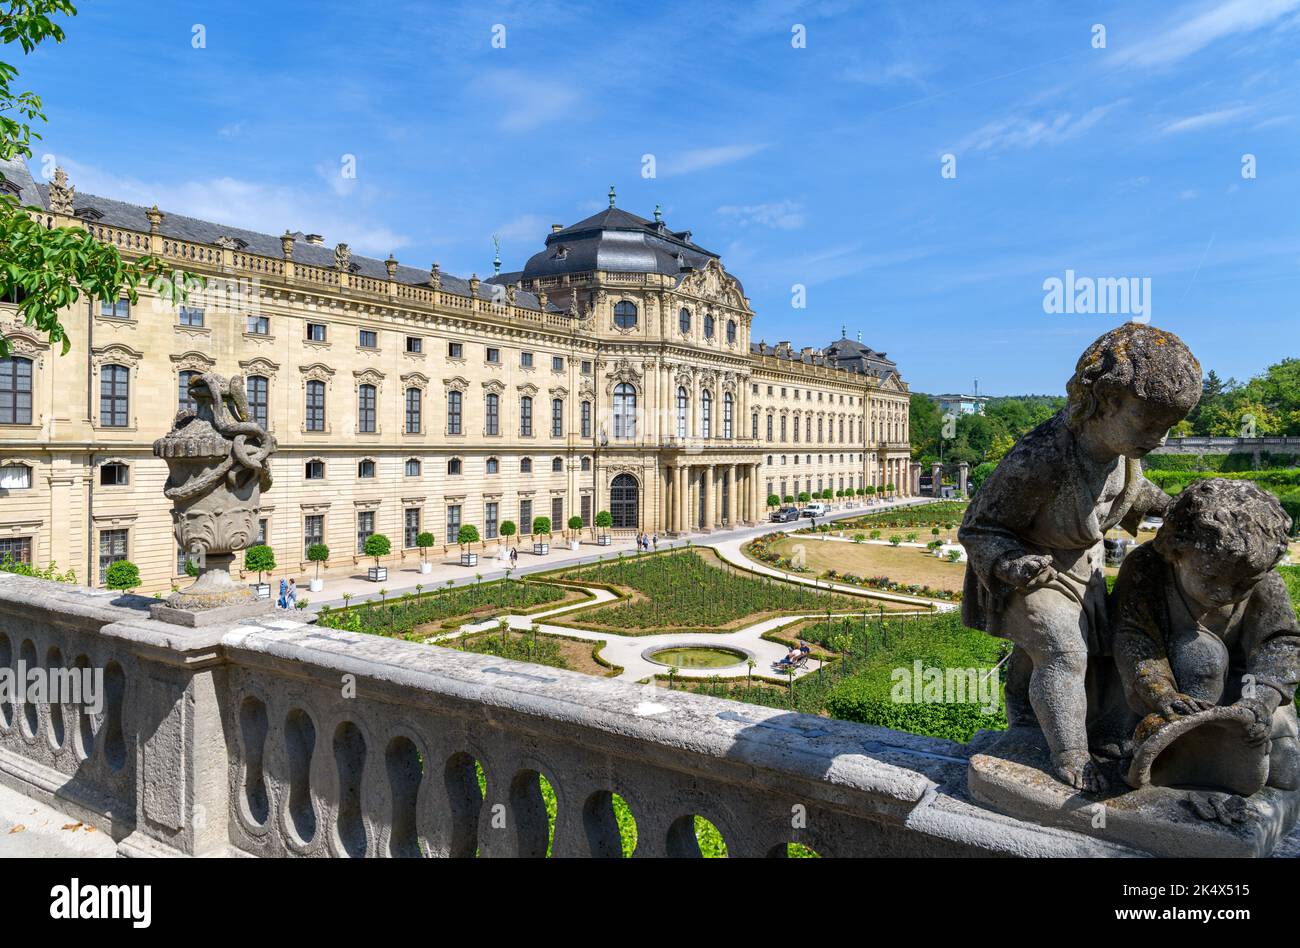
604	520
318	553
122	575
260	559
377	545
423	541
541	528
575	526
467	535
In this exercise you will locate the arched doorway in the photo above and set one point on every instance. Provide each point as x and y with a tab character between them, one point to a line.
624	495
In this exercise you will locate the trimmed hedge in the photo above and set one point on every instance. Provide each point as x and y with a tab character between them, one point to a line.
1216	462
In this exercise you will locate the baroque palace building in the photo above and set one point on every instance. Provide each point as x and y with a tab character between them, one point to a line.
614	372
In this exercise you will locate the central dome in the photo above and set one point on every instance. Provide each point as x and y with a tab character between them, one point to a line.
618	241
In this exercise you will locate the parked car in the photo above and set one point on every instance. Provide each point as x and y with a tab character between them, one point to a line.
815	510
785	515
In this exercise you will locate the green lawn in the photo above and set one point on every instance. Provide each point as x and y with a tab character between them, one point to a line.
399	615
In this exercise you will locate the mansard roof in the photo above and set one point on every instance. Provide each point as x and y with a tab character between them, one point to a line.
617	240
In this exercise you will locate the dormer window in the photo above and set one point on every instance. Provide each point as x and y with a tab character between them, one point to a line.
9	187
561	253
87	214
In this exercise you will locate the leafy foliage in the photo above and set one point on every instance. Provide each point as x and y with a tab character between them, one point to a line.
259	559
377	545
10	565
122	575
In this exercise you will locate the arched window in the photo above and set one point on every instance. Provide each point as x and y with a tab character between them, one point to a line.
708	325
557	418
731	331
625	315
15	391
586	463
259	399
727	404
624	411
366	468
492	414
681	411
684	320
493	466
706	414
453	412
753	426
525	416
114	396
314	470
623	497
557	465
453	467
15	477
412	467
366	409
413	410
525	465
185	401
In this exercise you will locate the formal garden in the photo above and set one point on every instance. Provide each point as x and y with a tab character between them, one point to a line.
692	590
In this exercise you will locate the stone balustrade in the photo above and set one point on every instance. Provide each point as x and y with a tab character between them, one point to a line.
279	738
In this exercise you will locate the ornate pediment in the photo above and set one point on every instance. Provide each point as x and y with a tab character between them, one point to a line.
194	361
368	376
317	371
711	282
456	384
118	354
259	366
494	385
623	371
415	380
527	389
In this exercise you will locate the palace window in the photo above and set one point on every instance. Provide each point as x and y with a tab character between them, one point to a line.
586	463
708	325
525	416
365	528
453	522
15	391
586	419
366	468
112	548
114	395
453	413
684	320
783	431
414	345
314	470
15	477
492	414
410	526
191	316
681	410
315	332
259	325
753	424
525	360
491	520
557	465
313	531
455	350
368	339
185	398
258	389
557	418
557	363
731	335
525	465
706	414
366	409
413	410
525	516
315	405
493	466
112	474
412	467
493	354
728	403
18	549
116	309
625	315
585	368
770	423
624	411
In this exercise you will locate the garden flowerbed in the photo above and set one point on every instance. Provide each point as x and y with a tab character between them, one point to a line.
415	615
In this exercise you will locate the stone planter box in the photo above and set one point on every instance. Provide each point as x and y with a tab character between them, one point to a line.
316	585
426	567
541	549
469	559
262	590
377	574
605	540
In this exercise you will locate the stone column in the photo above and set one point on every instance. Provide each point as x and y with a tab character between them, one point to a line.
732	506
709	499
963	471
679	499
936	479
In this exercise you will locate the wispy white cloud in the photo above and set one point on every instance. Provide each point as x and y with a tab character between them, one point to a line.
527	101
701	159
1193	123
524	227
1021	131
1195	31
249	205
779	215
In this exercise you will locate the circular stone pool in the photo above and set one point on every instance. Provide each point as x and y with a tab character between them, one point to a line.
696	656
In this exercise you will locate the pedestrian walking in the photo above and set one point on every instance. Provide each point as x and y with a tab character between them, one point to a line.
655	540
283	601
291	595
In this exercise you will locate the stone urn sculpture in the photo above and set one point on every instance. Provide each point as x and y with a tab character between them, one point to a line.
217	461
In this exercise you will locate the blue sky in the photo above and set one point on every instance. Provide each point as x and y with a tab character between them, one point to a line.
818	166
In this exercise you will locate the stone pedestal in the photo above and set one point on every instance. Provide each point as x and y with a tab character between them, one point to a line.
1009	773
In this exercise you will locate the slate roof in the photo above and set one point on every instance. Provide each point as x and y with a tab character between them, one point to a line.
16	172
841	354
616	240
182	227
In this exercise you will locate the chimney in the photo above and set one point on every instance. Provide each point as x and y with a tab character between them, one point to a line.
316	240
556	228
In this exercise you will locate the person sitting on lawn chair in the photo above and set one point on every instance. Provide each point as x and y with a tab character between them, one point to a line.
797	655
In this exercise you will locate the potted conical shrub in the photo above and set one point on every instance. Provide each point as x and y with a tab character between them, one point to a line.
541	528
575	525
423	541
377	545
508	530
260	559
317	553
466	536
604	520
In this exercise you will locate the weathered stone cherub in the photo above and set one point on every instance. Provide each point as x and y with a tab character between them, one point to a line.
1201	619
1035	530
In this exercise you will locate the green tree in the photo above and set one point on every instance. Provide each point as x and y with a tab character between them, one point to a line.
604	520
49	269
575	524
508	528
377	545
259	559
542	525
424	540
318	553
467	534
123	575
773	500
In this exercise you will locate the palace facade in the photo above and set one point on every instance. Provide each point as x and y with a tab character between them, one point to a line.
616	371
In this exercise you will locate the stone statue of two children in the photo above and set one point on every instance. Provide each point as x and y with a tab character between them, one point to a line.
1198	619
